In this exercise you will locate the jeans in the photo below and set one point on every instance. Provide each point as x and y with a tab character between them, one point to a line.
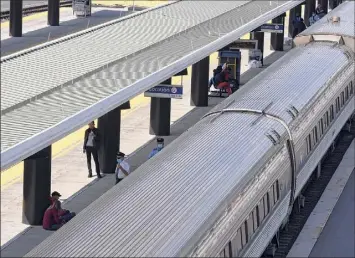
54	227
68	216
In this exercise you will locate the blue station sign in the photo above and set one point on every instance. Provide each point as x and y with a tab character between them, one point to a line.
165	91
271	27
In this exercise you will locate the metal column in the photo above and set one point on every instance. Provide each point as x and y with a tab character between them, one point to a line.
296	10
16	18
160	109
277	39
109	126
310	7
36	186
199	83
324	4
259	36
53	13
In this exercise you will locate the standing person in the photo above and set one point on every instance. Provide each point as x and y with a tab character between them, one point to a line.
123	168
91	146
160	146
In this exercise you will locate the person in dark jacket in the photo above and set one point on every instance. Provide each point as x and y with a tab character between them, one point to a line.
298	25
215	72
91	146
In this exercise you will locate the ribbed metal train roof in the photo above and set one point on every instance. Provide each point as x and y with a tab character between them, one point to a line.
344	28
83	77
165	207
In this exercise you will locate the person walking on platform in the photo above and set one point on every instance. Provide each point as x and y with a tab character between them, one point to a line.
123	168
91	146
160	146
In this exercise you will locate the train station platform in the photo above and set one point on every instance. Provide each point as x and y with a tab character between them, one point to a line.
330	229
36	30
69	172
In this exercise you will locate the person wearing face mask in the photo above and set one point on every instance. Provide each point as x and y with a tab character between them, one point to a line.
122	168
160	146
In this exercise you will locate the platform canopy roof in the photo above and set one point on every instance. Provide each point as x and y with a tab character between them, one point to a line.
55	88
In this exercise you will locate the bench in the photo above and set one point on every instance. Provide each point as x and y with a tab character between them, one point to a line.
222	93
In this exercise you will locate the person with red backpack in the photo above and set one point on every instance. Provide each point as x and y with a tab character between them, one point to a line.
222	80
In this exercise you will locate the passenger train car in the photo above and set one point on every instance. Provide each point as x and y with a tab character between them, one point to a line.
228	196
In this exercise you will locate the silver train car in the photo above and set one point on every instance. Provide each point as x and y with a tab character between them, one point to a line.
226	186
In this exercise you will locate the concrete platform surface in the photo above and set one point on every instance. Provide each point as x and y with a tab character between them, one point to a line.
69	172
329	231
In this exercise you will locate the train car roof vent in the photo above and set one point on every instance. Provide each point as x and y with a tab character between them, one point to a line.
295	110
291	113
271	138
277	135
334	19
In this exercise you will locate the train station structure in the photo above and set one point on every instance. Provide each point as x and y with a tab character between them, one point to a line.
112	80
100	86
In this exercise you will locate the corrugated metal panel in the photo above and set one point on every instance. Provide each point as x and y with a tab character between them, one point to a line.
165	203
81	98
66	61
345	27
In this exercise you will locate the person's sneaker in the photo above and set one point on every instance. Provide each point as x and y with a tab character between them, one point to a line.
99	176
90	176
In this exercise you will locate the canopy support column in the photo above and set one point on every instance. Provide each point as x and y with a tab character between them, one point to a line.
16	18
199	83
36	186
160	110
109	126
277	39
53	13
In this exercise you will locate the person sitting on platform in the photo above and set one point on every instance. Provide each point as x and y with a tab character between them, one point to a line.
51	220
123	168
222	80
64	215
215	72
160	146
313	19
320	12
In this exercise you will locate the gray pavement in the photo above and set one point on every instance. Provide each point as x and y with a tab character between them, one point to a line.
338	236
135	141
35	31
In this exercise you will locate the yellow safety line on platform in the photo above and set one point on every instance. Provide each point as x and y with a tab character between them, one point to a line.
62	147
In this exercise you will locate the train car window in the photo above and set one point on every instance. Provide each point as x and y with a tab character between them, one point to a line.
321	127
227	250
309	144
261	211
266	204
351	88
331	111
338	104
342	99
315	136
237	243
250	226
255	218
277	190
346	93
244	236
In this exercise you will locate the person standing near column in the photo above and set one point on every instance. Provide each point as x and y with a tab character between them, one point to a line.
91	146
160	146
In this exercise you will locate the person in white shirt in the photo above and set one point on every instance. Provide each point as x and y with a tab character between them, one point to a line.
123	168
